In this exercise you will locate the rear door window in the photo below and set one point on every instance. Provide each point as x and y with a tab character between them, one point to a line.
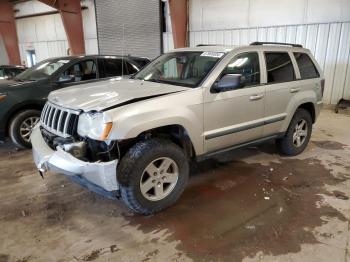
110	67
306	67
279	67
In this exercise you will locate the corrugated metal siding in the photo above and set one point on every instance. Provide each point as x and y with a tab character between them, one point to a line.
46	35
329	42
129	27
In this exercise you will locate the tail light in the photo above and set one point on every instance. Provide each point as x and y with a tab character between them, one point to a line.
322	86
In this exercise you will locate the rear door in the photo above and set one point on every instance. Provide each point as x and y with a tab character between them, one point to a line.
281	86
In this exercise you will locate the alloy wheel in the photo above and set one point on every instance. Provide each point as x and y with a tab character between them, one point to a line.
159	179
300	133
27	126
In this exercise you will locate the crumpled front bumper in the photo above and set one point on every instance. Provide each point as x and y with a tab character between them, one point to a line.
100	174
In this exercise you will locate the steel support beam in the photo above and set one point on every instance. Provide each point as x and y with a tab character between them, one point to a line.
179	22
8	32
72	19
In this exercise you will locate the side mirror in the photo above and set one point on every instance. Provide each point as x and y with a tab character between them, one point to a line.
227	83
66	79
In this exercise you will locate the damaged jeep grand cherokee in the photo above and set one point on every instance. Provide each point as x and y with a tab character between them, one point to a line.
133	139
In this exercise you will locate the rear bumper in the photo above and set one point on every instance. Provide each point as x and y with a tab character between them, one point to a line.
318	108
100	174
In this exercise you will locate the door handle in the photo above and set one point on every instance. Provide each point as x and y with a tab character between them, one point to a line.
255	97
294	90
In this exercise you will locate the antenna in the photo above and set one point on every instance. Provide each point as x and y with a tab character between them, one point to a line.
123	47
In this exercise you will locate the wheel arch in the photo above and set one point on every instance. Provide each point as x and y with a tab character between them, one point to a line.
17	109
310	107
176	133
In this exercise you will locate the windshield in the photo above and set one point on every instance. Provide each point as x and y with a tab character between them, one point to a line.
41	70
180	68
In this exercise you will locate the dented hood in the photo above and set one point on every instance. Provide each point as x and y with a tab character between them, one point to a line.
108	94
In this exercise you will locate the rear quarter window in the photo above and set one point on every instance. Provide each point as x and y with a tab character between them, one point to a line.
279	67
306	67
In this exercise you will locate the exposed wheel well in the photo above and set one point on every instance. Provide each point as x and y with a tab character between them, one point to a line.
175	133
17	110
310	108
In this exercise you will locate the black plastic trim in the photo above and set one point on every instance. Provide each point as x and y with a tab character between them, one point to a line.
276	43
234	130
249	143
243	128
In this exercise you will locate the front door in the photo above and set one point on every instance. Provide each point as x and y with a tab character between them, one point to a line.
236	116
82	72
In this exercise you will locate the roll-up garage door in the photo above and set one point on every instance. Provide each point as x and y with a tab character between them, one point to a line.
129	27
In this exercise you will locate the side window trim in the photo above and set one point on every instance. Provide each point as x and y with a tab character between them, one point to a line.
294	63
100	67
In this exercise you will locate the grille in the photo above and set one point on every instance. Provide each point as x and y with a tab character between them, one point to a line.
58	120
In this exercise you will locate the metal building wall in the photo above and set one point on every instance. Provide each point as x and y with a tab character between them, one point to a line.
323	26
129	27
329	42
45	34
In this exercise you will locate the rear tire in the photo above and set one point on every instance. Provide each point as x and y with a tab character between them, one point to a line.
298	134
21	126
157	164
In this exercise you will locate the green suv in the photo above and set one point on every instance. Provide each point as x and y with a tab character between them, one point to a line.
23	97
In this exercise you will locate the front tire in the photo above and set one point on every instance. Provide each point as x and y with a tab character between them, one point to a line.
21	126
152	175
298	134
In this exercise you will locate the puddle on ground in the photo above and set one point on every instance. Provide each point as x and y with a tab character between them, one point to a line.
237	209
329	145
231	209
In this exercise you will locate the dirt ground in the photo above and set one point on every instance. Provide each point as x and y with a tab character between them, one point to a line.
248	205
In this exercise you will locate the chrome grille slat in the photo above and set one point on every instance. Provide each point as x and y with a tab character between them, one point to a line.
59	122
43	112
66	122
56	120
47	115
49	120
53	121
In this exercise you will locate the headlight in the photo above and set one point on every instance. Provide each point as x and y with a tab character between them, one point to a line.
94	126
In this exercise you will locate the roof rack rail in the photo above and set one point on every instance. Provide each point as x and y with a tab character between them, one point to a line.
275	43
